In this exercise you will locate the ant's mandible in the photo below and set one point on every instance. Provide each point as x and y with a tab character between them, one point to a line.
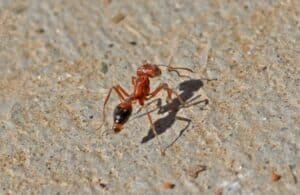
141	93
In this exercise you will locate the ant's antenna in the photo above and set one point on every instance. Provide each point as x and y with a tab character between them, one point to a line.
175	69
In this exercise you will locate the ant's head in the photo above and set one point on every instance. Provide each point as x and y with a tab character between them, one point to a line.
150	70
121	115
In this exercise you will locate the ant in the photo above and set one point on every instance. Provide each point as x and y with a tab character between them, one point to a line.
141	93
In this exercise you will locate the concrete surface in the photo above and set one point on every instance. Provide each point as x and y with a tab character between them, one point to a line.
59	58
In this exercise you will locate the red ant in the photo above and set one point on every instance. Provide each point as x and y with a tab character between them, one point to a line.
141	93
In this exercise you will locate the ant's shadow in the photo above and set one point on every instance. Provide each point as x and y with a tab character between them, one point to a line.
188	89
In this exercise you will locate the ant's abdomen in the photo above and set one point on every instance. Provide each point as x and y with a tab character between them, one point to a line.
121	115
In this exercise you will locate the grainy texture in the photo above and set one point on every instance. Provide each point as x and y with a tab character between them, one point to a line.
59	58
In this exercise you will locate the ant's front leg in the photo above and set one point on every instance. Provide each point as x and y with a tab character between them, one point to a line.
122	94
170	91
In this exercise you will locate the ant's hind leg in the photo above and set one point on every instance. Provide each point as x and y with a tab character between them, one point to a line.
122	94
157	105
162	151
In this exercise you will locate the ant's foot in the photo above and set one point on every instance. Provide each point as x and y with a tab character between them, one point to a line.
168	100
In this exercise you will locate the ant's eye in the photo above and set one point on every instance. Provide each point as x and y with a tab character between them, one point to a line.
121	115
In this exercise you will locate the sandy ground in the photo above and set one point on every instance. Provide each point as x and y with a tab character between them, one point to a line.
240	134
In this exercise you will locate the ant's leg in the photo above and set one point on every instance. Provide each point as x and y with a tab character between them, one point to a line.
133	79
121	94
158	104
119	89
170	91
155	133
